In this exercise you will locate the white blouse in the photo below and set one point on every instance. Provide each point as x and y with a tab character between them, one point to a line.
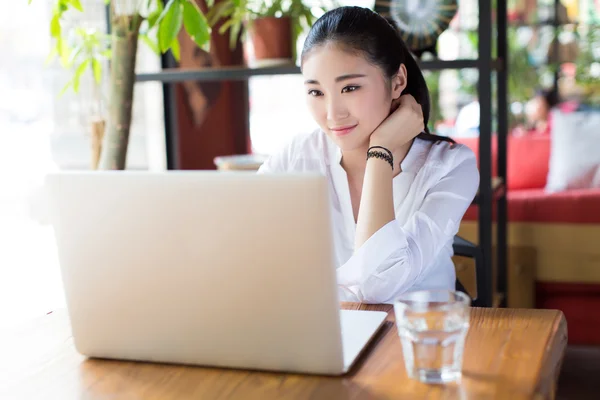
436	186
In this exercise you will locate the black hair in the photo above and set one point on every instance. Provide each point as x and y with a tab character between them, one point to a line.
550	96
363	31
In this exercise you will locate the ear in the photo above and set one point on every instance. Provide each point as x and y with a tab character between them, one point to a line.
399	82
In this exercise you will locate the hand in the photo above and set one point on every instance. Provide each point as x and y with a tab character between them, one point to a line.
401	126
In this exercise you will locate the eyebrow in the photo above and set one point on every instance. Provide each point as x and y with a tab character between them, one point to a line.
338	79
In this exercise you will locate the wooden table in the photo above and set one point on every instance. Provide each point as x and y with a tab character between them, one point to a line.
509	353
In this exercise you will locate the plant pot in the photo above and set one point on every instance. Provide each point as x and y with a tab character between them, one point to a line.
272	41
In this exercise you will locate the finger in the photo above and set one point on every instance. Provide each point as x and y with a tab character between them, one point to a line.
416	107
407	99
419	110
410	102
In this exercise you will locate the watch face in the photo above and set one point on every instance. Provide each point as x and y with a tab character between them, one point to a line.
420	22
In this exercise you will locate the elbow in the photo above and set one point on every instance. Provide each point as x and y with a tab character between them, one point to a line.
362	293
379	281
386	286
372	297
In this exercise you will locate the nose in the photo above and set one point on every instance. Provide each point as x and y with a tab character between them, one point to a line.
336	109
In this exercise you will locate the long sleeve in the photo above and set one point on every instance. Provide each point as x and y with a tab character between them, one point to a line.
393	259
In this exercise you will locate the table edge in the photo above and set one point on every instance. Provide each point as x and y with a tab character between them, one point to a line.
553	357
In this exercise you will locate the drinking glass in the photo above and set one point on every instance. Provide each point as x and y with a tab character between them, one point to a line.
433	325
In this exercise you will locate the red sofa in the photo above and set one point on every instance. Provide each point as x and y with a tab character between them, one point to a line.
563	229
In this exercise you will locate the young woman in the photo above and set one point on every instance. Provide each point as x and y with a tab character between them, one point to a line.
398	192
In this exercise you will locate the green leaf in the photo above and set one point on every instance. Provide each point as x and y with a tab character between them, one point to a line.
150	43
64	89
176	50
78	73
61	7
170	24
153	18
64	51
219	11
106	53
53	53
234	34
76	4
155	15
195	23
55	26
228	24
73	55
97	68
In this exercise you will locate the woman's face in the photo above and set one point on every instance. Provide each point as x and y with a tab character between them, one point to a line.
536	109
347	95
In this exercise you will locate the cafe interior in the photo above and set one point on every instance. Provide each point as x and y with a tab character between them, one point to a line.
131	131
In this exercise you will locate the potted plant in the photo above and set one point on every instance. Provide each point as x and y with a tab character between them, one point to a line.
156	23
273	26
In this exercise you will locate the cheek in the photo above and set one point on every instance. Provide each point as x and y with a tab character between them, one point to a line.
371	108
317	110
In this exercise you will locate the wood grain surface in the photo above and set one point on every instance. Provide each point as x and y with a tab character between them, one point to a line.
509	353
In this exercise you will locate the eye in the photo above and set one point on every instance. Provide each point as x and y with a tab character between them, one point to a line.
315	93
350	89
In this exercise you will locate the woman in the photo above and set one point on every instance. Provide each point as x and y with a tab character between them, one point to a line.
398	192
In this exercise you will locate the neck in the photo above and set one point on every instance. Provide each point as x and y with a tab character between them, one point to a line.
354	161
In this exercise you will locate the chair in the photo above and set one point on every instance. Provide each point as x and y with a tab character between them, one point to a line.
484	296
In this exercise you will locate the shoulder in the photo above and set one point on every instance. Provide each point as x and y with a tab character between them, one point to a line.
446	163
306	151
448	155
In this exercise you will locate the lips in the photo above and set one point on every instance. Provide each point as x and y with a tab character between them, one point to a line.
343	130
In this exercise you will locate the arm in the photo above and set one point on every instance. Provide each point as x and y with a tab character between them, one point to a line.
395	256
376	201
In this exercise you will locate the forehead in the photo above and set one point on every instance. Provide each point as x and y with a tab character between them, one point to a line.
325	63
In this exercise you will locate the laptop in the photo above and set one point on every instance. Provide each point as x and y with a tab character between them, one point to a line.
218	269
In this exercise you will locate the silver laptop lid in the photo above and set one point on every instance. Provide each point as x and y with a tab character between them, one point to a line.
209	268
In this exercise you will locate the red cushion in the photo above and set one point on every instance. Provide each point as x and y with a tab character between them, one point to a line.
580	206
527	159
527	162
575	300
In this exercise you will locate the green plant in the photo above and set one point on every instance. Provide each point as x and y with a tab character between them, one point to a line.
523	77
432	78
587	74
89	52
238	14
157	24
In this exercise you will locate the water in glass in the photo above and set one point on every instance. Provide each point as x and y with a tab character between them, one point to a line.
432	326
